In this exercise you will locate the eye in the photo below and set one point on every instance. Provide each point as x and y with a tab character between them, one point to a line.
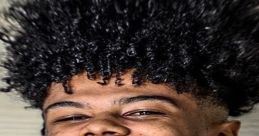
143	114
72	118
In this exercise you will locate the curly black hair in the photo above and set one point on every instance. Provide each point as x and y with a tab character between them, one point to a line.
210	43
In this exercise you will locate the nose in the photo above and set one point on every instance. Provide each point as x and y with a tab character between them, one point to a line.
104	127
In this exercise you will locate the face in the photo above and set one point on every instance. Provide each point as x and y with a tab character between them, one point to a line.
128	110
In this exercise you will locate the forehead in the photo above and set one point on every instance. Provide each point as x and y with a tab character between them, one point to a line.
85	88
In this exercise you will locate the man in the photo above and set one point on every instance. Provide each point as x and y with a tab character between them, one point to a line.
135	67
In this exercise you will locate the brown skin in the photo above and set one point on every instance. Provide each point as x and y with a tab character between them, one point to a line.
111	110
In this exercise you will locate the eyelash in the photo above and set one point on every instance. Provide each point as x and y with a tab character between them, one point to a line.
139	113
73	118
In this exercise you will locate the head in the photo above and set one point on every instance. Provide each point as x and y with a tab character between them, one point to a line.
134	67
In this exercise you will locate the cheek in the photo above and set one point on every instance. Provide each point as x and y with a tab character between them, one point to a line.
64	133
156	128
68	131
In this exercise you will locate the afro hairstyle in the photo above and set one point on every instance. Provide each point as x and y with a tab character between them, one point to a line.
210	43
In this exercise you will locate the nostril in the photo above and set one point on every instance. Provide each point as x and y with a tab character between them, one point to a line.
89	134
109	133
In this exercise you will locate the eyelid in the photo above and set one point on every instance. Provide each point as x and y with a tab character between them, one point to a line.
151	112
72	118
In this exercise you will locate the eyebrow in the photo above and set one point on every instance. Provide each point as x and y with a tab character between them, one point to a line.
169	100
63	104
122	101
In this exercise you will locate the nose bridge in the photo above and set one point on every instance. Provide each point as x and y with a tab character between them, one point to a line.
104	126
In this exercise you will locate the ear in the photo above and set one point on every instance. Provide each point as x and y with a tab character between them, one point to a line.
228	128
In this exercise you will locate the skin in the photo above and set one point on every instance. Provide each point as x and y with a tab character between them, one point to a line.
128	110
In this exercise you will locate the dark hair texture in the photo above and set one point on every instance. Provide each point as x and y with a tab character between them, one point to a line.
210	43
